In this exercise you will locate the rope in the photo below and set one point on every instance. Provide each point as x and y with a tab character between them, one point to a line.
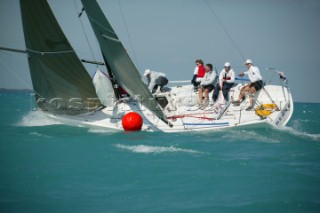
225	30
85	34
17	77
23	82
130	41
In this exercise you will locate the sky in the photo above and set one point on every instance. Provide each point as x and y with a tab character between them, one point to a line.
169	35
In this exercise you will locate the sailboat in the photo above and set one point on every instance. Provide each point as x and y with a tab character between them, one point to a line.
65	91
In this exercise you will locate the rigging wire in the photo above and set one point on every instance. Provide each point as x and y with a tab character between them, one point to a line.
23	82
13	55
82	26
130	41
225	30
16	75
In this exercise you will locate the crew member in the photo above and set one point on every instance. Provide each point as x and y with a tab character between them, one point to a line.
226	81
156	80
255	83
198	74
207	84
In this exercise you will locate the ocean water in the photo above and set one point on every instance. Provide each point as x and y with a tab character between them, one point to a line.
50	167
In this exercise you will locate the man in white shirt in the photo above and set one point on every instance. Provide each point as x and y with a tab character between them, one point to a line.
226	81
255	83
207	84
156	80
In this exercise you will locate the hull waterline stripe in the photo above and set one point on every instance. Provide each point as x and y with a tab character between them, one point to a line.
207	124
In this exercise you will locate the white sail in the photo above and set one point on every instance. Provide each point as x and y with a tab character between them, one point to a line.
104	88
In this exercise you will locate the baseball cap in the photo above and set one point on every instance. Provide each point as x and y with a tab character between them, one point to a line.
248	61
147	72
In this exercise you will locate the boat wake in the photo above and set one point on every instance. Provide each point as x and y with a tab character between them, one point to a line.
37	134
155	149
102	131
292	130
37	118
248	135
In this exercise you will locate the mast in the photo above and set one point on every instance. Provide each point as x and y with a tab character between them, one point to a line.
113	80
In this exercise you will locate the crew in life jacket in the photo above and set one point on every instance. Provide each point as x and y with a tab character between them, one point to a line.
226	81
198	74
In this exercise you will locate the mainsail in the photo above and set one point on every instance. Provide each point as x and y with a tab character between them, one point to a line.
118	59
60	81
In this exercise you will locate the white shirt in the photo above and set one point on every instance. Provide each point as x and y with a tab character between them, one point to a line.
209	78
253	74
153	76
195	72
225	74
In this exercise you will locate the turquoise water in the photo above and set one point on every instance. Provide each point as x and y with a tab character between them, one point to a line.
49	167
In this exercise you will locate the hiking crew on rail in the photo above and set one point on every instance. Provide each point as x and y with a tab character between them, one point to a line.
255	83
198	74
226	82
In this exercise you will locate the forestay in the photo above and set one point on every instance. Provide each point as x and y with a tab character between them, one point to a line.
118	59
60	81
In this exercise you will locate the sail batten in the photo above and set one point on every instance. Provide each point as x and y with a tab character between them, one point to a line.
51	52
61	82
112	39
100	25
115	55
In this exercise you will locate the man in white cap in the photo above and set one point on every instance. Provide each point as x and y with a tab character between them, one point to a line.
226	81
255	83
156	80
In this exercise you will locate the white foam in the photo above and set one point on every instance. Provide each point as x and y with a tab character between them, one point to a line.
39	134
35	133
293	131
249	136
100	130
155	149
37	118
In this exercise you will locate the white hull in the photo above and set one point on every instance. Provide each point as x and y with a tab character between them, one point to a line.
183	112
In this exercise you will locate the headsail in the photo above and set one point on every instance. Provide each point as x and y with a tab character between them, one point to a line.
118	59
104	88
61	82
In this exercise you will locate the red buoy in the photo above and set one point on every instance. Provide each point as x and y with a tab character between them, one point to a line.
132	121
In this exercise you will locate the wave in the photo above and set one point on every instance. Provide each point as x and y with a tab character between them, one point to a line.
100	130
155	149
37	118
249	135
39	135
315	137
